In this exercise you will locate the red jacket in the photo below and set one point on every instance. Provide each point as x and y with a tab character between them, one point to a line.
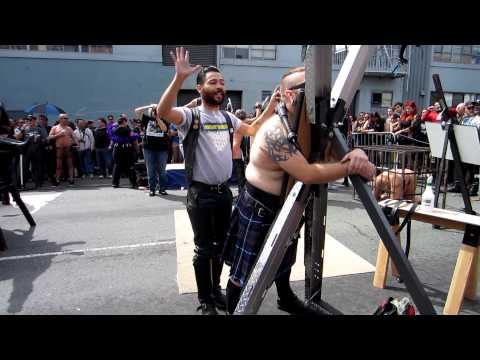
430	116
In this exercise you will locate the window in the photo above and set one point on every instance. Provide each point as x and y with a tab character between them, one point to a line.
257	52
235	51
13	47
263	52
457	54
382	99
265	94
103	49
453	99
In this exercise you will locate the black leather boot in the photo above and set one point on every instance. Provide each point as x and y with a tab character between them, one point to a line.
287	300
233	295
219	299
203	276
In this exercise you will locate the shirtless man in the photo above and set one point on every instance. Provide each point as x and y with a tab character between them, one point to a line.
64	139
395	185
271	156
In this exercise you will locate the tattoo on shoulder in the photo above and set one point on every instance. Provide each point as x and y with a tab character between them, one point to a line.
278	146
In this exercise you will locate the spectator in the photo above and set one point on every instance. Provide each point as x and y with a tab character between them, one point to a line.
102	151
368	123
177	156
394	121
469	113
359	122
49	158
388	119
64	139
460	109
402	130
34	157
6	163
472	110
432	113
398	108
87	144
125	144
155	149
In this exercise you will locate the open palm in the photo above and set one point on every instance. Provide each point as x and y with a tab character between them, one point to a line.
182	63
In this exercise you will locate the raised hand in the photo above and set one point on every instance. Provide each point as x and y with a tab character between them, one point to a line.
182	63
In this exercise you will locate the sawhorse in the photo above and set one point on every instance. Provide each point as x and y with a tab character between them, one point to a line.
465	276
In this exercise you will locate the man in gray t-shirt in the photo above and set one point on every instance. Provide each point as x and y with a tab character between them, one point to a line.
209	199
213	158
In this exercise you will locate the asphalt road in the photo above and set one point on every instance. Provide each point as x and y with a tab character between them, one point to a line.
99	250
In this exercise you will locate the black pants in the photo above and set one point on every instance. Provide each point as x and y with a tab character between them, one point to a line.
123	162
209	212
50	162
34	161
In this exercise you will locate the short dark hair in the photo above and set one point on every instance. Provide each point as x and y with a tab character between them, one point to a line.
398	103
203	73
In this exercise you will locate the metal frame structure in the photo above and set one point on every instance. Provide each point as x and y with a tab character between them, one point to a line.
325	108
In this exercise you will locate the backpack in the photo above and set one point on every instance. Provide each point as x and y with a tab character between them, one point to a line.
191	140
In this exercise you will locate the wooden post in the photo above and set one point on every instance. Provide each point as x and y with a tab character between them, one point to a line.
381	268
471	290
395	272
459	280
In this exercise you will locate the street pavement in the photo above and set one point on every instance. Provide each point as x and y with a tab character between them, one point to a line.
98	250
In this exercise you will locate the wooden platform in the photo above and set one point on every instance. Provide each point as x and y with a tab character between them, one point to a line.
465	277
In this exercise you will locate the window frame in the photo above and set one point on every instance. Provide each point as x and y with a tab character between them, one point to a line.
252	49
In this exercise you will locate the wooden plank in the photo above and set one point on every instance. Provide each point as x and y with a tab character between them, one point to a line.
381	268
449	218
471	290
459	280
395	272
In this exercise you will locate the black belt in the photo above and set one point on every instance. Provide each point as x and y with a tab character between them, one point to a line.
219	189
121	145
270	200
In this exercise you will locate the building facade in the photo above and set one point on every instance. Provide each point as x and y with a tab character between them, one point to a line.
90	81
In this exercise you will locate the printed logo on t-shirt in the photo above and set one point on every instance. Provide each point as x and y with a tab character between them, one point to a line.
217	135
154	130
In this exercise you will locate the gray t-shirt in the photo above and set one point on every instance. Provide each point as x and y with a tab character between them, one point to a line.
213	155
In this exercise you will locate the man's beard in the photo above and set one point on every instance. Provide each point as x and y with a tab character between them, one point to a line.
209	98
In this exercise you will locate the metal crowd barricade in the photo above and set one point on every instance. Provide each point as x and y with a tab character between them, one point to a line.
372	138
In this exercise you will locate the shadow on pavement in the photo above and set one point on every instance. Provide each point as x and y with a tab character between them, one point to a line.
25	271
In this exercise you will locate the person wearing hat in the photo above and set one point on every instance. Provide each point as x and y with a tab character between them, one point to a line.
125	146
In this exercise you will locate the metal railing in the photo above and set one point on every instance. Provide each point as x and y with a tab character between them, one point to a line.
372	138
383	61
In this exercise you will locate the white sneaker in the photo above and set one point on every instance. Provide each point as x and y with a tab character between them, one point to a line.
100	177
91	176
109	176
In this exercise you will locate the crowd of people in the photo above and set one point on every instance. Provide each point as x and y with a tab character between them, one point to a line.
78	148
407	124
214	143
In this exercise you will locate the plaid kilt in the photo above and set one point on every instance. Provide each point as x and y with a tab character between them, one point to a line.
249	226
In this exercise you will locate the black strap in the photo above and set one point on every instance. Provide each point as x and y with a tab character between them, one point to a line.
230	126
191	140
407	221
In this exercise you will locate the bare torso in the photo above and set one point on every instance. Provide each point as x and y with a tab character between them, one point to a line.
63	141
262	171
395	184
